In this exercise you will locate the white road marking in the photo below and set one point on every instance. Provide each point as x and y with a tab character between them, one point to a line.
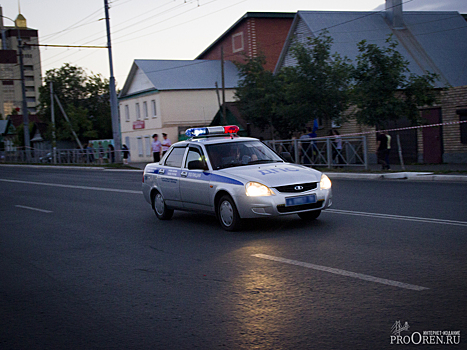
342	272
36	209
334	211
72	186
399	217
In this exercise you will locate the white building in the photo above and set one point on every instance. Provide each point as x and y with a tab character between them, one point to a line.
170	96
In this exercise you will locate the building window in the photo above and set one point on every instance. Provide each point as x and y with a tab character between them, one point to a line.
138	112
147	143
145	110
28	78
139	140
463	126
237	42
153	108
28	68
127	113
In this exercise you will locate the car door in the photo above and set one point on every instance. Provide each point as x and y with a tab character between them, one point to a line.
169	177
194	181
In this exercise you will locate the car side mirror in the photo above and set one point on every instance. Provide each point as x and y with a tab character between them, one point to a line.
287	157
197	165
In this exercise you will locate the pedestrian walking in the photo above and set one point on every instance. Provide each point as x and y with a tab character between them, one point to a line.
126	154
111	153
100	152
388	150
90	153
381	151
156	148
337	149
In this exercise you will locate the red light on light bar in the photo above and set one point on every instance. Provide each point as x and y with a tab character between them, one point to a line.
231	129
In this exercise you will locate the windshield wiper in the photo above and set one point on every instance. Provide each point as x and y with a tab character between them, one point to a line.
262	161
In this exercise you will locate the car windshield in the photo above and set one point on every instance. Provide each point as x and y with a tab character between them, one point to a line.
232	154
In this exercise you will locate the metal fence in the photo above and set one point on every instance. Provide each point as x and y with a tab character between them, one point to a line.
350	151
62	156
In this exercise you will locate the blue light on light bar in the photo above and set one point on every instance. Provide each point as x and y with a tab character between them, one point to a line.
212	130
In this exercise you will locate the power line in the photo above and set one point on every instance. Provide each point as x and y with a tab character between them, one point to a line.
71	46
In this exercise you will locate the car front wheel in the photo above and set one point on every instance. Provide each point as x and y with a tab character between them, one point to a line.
161	210
228	214
310	215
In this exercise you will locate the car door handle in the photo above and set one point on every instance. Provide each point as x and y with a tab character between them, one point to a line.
184	173
161	171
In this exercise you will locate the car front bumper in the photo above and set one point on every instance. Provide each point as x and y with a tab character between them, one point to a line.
254	207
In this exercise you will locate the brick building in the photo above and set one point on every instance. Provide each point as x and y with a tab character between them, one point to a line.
431	41
254	34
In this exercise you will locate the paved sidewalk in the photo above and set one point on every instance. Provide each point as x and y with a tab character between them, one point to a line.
423	172
419	172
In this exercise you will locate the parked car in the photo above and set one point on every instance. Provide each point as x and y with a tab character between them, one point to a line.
235	178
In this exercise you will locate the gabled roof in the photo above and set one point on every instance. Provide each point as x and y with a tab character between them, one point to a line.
246	16
17	119
179	75
4	126
430	41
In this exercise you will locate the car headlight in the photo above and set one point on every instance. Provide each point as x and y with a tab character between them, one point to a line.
325	183
255	189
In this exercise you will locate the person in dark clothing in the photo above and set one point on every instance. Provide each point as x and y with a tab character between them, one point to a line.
382	150
126	154
111	153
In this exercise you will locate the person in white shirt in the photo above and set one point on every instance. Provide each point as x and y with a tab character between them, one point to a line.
156	148
165	143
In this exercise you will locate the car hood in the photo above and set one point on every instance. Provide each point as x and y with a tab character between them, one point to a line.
273	175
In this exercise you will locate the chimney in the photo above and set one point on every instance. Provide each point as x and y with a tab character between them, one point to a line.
394	13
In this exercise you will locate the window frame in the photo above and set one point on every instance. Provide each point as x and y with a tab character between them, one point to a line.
175	149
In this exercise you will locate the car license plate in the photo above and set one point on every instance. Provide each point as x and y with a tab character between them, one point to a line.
300	200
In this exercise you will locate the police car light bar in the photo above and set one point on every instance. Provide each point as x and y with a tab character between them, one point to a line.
212	130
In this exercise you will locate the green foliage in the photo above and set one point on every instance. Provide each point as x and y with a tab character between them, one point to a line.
322	86
19	138
259	94
384	90
317	87
85	100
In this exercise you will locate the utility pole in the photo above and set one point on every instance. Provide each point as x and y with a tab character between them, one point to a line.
224	115
113	93
52	113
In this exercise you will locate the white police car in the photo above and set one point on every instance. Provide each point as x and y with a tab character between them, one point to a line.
233	177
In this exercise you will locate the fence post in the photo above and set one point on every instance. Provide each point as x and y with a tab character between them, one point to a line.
329	151
296	151
365	152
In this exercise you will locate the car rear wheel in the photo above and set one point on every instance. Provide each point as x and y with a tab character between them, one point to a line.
310	215
228	214
161	210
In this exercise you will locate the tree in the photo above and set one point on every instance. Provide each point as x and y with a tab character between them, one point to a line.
385	90
85	100
260	95
317	87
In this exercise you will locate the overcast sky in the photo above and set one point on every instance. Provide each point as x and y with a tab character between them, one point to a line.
159	29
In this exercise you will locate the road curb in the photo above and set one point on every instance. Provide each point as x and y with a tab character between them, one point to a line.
417	176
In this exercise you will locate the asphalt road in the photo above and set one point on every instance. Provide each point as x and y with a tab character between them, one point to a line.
85	264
